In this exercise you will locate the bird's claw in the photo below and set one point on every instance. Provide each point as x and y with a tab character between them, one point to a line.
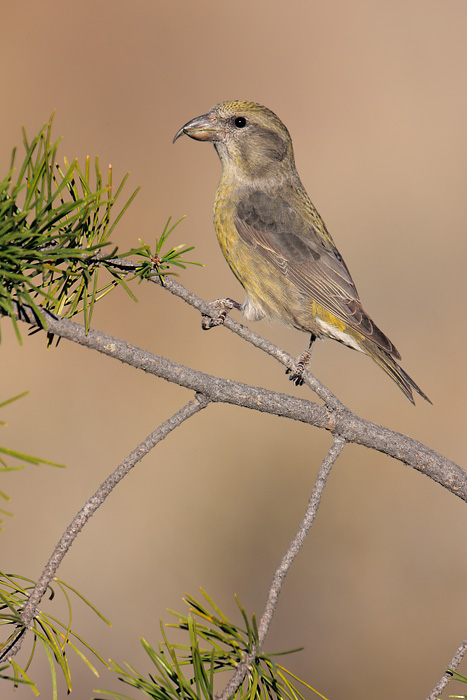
296	375
223	306
207	322
297	370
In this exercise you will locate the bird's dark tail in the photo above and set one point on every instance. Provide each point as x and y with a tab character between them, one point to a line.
405	383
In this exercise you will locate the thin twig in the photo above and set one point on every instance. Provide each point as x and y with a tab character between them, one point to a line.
447	675
204	307
287	560
92	504
297	542
174	287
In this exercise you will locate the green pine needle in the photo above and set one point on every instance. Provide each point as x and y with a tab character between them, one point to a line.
53	224
187	672
55	227
55	637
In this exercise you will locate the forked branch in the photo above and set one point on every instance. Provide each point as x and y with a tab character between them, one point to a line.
345	425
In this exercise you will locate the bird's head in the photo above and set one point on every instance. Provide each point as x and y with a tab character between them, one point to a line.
251	141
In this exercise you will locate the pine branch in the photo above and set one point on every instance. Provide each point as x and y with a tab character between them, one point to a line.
341	421
345	425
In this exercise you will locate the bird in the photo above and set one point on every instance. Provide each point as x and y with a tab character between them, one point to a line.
276	243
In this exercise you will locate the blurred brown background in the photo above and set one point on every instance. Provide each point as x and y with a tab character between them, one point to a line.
374	95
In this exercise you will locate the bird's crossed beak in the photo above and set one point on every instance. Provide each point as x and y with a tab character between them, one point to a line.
201	128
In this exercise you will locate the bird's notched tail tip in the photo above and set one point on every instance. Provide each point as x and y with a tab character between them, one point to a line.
405	382
413	385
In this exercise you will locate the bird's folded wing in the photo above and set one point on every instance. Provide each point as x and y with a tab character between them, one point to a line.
292	245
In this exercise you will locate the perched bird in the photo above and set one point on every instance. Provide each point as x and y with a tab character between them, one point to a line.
276	243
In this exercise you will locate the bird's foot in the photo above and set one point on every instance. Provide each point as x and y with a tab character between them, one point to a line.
296	372
223	306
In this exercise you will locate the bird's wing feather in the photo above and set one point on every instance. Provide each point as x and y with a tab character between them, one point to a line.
312	262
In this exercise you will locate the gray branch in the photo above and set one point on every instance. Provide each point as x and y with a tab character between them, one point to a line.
337	418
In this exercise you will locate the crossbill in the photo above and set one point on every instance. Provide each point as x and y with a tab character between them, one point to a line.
276	243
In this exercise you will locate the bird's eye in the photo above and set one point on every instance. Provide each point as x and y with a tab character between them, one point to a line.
240	122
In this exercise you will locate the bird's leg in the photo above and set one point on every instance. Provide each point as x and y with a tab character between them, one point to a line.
224	306
296	373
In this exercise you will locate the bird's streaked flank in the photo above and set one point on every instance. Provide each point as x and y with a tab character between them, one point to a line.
276	243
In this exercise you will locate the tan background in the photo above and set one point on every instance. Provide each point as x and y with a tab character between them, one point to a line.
374	95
